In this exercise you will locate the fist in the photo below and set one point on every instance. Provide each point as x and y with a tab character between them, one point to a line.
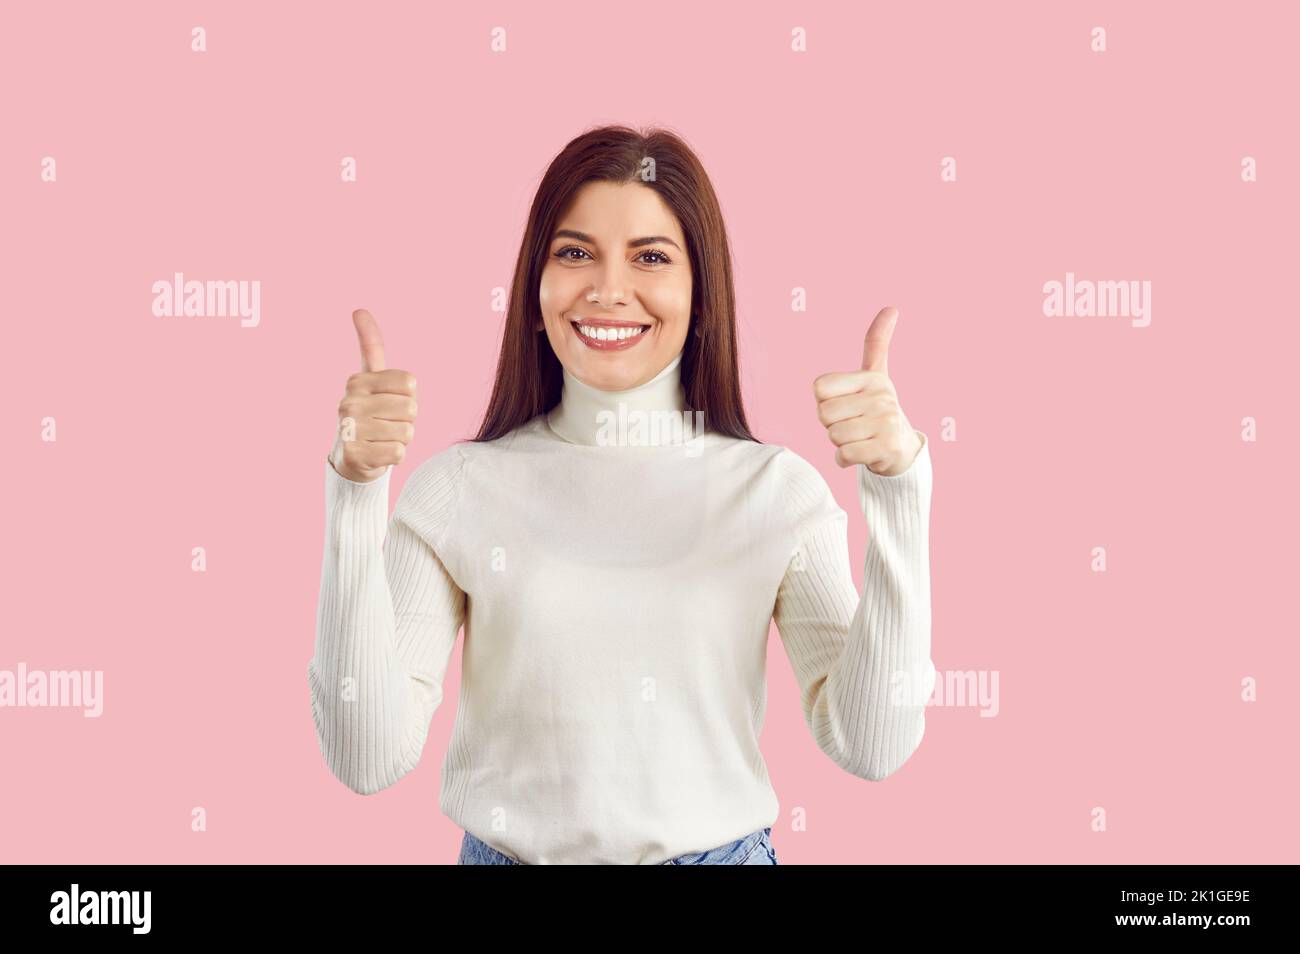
860	409
377	413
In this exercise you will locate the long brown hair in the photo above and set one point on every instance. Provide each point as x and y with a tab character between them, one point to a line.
529	377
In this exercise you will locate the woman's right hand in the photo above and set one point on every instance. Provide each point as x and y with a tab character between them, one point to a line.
377	412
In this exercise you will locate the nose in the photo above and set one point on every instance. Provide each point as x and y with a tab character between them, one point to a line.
608	289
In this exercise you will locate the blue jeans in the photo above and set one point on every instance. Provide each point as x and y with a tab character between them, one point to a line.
754	849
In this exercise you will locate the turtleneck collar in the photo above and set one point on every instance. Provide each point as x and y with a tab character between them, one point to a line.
653	413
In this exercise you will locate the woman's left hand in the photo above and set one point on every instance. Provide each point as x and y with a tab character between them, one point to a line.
860	409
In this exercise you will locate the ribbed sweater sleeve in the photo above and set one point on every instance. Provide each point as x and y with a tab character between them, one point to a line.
863	664
386	622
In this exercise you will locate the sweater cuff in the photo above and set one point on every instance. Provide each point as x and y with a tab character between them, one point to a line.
911	487
341	490
356	514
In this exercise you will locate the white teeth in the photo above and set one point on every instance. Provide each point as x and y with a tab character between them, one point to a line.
610	334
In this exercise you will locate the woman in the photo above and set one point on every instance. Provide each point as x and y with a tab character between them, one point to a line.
615	564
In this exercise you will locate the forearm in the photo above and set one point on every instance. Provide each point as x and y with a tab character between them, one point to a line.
365	711
865	660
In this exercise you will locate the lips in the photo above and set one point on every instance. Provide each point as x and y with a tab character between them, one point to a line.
603	334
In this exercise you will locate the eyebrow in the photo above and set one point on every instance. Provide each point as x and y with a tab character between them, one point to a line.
634	243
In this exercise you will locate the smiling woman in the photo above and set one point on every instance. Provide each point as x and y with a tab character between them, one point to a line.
617	593
615	284
615	242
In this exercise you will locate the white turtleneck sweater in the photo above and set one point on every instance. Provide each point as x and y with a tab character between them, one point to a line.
616	587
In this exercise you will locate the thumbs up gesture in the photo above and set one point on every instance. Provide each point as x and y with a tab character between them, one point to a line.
860	409
377	413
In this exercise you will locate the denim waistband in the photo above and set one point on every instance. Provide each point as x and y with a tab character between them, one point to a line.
754	848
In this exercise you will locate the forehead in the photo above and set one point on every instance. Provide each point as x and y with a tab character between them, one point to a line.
618	212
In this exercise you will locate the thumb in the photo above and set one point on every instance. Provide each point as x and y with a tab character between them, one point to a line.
875	350
372	342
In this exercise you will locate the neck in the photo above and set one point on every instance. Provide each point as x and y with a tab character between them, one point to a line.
649	414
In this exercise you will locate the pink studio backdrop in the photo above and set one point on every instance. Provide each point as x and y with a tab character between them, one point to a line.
1119	691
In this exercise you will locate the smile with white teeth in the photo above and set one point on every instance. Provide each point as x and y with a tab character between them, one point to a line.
601	333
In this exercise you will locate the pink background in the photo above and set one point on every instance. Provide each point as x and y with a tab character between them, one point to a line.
1119	690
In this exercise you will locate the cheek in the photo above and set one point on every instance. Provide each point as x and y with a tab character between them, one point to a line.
671	302
557	291
546	294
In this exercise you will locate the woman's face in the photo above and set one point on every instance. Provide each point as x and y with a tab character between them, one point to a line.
617	260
